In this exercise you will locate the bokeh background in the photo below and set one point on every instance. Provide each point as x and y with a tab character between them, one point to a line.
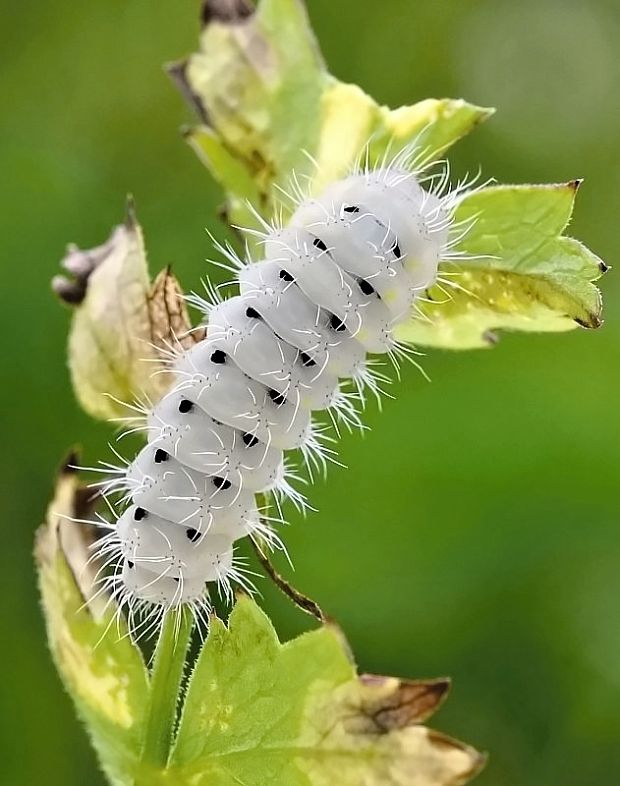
475	533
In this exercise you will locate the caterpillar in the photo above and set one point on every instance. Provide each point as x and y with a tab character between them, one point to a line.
305	334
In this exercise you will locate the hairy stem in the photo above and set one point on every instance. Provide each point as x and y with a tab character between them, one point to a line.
166	676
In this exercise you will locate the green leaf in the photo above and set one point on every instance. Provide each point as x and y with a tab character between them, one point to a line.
259	712
255	711
103	672
120	321
522	274
261	85
269	103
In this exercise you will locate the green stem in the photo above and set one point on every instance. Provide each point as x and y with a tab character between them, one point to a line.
166	676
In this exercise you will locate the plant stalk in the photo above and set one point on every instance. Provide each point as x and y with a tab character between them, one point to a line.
166	677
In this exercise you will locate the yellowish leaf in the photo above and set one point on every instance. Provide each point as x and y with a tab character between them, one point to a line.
104	673
121	323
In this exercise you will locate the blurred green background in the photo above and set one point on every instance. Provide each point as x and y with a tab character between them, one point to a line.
475	531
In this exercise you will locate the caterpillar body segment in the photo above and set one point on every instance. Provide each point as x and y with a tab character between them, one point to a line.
330	288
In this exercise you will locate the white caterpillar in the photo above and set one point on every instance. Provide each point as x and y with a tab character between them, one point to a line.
328	292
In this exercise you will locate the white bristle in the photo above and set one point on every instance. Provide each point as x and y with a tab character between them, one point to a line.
330	289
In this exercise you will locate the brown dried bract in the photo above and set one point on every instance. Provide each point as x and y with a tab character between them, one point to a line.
227	11
168	317
403	702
